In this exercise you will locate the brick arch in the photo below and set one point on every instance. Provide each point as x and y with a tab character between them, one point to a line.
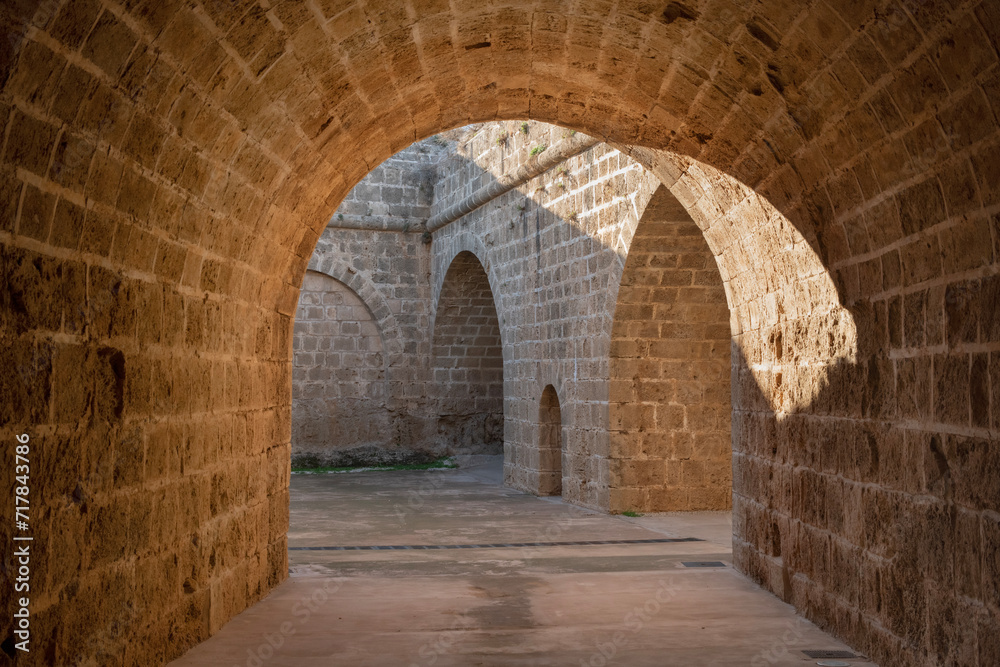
370	295
755	114
467	361
145	181
788	89
550	443
340	389
669	391
758	95
463	243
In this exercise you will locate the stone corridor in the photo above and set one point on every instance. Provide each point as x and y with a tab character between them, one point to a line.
176	174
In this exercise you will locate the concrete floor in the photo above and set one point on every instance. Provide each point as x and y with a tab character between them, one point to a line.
611	604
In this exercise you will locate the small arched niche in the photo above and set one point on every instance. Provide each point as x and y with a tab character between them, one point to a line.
550	447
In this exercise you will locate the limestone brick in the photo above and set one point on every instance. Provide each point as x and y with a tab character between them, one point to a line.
205	148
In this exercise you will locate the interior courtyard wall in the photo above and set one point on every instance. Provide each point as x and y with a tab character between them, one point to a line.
553	248
388	272
339	385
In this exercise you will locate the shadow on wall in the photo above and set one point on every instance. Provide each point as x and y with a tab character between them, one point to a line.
848	502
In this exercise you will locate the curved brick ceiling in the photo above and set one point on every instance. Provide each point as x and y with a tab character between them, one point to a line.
267	118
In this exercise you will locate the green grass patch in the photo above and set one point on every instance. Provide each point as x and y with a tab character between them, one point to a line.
631	513
440	463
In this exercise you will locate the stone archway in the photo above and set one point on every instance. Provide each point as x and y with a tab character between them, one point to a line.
340	393
670	364
467	361
160	203
550	445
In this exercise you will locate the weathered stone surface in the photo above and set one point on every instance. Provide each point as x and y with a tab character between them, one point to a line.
670	393
207	145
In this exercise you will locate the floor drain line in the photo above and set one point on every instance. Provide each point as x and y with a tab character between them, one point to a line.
703	563
499	545
814	653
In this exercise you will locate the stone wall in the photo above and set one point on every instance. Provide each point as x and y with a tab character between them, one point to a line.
467	362
339	385
397	194
141	350
669	389
385	273
413	416
168	168
554	248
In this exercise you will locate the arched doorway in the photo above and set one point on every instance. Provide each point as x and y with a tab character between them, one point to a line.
550	445
467	362
670	365
162	201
